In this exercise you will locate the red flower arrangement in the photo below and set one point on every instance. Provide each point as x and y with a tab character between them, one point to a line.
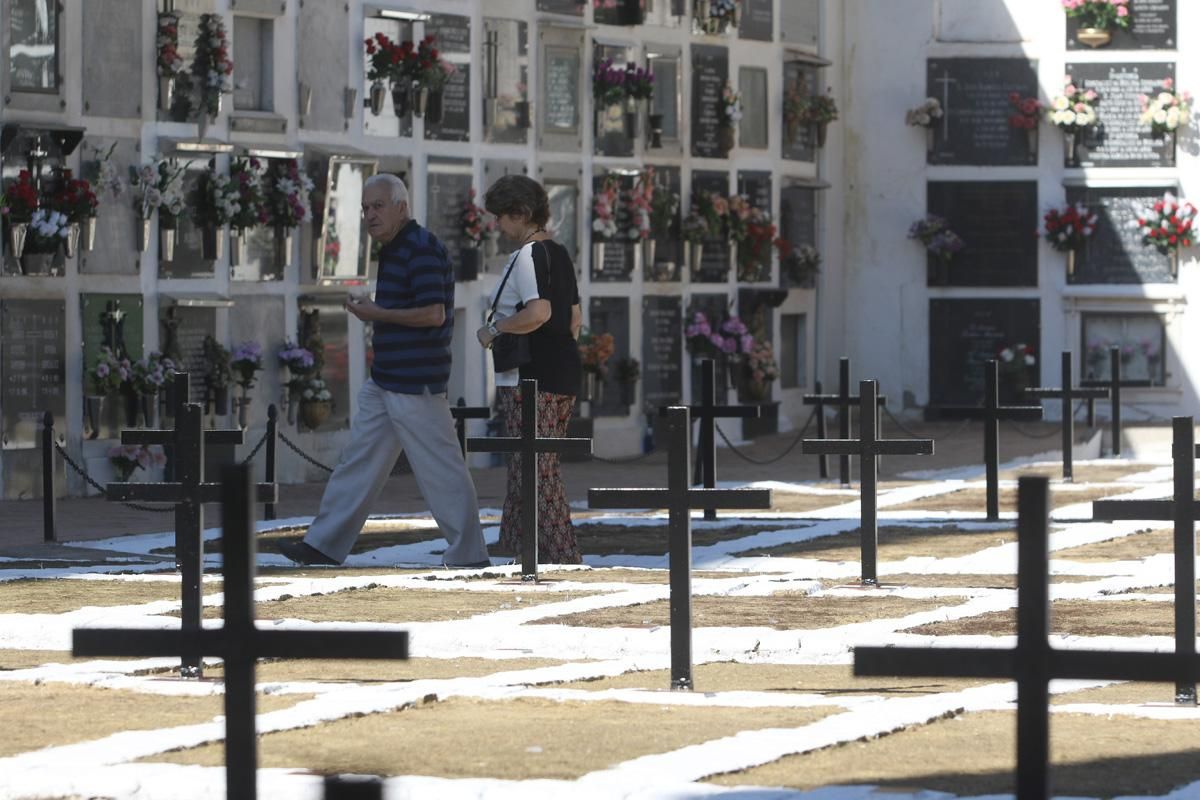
754	249
476	222
1025	112
388	61
22	198
430	71
170	63
76	199
1168	225
1068	228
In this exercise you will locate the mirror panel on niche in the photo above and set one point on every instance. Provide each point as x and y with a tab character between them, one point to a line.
560	93
1142	339
380	117
343	247
616	123
506	117
666	105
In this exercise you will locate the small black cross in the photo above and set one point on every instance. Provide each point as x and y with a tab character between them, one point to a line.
1114	384
993	412
239	643
461	413
1068	394
528	445
679	500
868	448
845	402
1034	663
707	412
1182	510
189	493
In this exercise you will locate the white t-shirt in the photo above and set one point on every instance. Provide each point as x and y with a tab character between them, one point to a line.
521	287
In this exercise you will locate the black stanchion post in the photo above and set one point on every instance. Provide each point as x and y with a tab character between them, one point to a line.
822	433
272	437
49	503
461	413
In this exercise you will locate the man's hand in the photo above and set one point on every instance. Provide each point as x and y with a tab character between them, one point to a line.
363	307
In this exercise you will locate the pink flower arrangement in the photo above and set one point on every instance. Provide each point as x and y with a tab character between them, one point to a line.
128	457
476	222
1102	14
170	63
289	194
604	210
639	200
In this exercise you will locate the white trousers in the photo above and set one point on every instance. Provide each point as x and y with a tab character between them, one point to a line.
388	423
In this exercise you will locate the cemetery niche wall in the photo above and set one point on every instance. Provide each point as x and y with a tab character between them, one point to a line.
975	127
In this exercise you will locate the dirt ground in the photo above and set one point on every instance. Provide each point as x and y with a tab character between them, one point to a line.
56	596
1125	548
963	581
605	539
363	671
26	659
782	611
976	499
1070	617
895	542
1081	473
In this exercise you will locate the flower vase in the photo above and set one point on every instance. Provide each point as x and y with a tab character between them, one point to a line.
930	137
1173	262
313	413
1070	263
166	92
124	472
725	139
93	406
221	400
1031	142
211	243
822	130
649	246
149	406
71	242
87	233
243	411
283	246
655	123
141	233
597	256
791	129
703	11
631	116
202	125
237	247
735	369
1070	156
420	101
1093	37
1169	148
166	243
131	409
628	392
592	389
400	100
521	111
378	96
37	263
695	255
469	259
433	107
18	232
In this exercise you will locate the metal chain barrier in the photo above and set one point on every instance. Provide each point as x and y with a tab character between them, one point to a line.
1150	415
1049	433
628	460
790	447
301	453
914	434
254	452
83	474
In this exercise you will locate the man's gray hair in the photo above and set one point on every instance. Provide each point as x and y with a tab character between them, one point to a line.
399	191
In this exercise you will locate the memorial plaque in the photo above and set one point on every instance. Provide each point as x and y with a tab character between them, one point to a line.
753	127
1119	139
716	307
33	369
757	21
453	40
114	251
112	54
1154	27
611	315
710	73
714	267
965	334
187	260
32	45
448	184
260	318
560	96
564	216
998	221
800	22
798	143
667	89
1115	253
191	324
506	115
386	124
615	124
662	352
571	8
622	12
113	320
756	186
974	95
668	247
797	223
614	259
317	24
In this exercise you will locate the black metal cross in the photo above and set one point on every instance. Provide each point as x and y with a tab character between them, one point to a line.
1182	510
1068	394
679	500
1114	384
707	412
189	493
528	445
461	413
845	402
993	412
239	643
868	447
1034	663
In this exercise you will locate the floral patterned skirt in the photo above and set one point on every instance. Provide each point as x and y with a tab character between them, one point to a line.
556	534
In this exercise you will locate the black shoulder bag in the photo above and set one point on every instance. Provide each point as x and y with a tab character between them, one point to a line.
509	350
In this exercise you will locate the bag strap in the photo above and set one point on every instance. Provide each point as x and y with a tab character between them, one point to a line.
499	290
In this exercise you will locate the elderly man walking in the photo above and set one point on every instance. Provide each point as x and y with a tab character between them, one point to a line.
402	407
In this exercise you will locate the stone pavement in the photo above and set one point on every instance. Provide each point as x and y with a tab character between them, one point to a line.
957	444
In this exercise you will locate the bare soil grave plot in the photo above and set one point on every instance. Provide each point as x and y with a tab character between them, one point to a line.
524	738
896	542
1082	473
27	659
386	604
1131	693
975	755
385	671
966	581
781	611
731	676
634	576
375	535
1133	547
604	539
1070	617
59	595
976	499
51	714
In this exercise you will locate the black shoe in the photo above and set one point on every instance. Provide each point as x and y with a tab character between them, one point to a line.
487	562
303	553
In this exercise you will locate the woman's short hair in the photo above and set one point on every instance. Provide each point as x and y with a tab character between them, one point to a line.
519	196
399	191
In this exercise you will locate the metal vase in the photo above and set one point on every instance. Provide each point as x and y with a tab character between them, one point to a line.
131	409
929	138
695	254
18	232
420	101
87	234
521	110
141	233
37	263
149	404
597	255
433	107
655	123
400	100
243	412
211	242
822	132
725	139
166	92
378	97
166	243
1093	37
283	246
648	252
93	407
1070	263
71	243
237	247
221	400
1069	142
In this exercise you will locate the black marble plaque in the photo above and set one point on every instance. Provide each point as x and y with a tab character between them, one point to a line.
964	334
453	35
998	221
611	315
714	268
710	72
123	333
32	369
798	143
716	308
668	248
662	351
1118	139
757	20
974	95
194	324
797	221
572	8
1115	253
756	186
561	112
613	259
447	191
1154	27
624	12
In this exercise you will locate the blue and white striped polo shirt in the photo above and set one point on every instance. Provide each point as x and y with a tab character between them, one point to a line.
413	272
